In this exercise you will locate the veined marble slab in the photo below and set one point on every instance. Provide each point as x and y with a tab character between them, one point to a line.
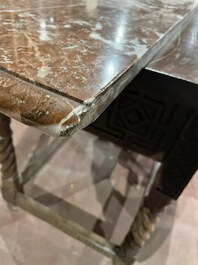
180	59
63	62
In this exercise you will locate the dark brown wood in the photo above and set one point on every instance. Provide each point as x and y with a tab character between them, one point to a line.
10	178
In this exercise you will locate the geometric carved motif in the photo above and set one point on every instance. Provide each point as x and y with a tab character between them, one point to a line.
142	119
157	115
139	119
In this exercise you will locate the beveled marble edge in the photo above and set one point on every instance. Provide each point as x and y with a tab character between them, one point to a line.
99	104
61	116
39	108
179	59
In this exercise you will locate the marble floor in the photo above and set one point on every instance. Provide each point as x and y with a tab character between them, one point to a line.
83	182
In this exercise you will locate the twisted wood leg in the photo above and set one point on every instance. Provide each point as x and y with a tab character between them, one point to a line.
9	175
142	227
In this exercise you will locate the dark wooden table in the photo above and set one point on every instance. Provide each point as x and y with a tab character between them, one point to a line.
62	64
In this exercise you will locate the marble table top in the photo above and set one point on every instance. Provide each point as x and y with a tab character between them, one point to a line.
63	62
180	59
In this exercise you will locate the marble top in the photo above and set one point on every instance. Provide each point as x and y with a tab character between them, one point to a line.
180	59
63	62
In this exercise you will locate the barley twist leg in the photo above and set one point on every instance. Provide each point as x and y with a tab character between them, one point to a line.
9	175
142	227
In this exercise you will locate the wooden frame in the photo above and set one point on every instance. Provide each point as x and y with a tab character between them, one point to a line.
12	190
175	144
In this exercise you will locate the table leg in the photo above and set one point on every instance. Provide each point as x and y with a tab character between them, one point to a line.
9	174
172	178
143	225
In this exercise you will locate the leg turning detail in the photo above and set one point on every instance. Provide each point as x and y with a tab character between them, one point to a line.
10	179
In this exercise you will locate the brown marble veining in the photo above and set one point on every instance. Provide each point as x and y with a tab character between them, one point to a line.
35	106
180	59
83	53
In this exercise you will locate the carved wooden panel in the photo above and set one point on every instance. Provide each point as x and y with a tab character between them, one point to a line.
143	119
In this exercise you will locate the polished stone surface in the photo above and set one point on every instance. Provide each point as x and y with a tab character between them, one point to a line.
180	59
81	52
88	195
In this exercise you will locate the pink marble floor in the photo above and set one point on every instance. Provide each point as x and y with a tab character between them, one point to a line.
75	183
